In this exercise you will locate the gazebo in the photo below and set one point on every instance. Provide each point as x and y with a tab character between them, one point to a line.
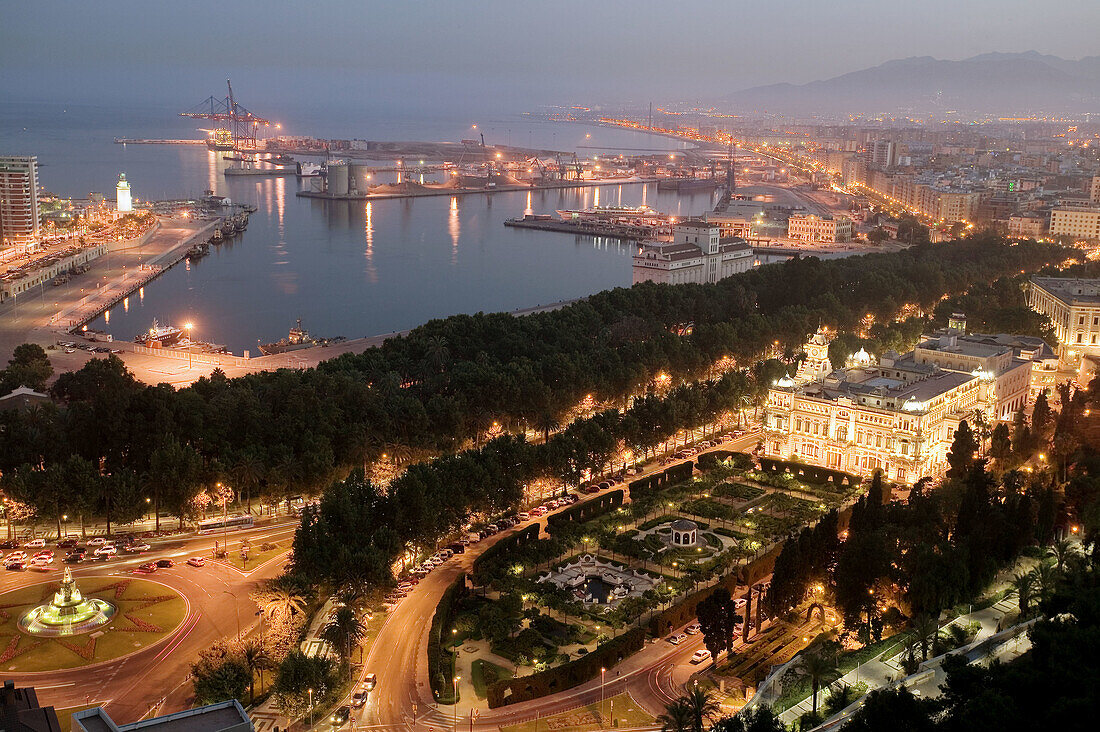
684	532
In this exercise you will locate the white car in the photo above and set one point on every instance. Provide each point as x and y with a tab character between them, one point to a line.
107	550
693	629
97	541
523	515
700	655
677	638
35	544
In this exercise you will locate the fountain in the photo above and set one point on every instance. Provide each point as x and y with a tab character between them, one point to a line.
69	613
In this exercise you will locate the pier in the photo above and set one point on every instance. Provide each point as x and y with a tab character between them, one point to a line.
609	229
423	192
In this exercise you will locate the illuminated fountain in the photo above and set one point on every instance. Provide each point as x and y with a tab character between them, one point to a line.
69	613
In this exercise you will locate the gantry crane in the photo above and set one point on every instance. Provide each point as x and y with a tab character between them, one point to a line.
236	128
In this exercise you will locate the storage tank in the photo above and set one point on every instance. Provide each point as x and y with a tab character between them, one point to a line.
338	180
360	178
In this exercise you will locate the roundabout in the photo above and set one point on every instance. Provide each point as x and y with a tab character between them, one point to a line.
55	626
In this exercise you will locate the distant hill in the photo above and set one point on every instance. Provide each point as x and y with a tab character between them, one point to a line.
1008	83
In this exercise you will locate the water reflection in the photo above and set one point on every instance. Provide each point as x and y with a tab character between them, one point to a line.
368	233
454	227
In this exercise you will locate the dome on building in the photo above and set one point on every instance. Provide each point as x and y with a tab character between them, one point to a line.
785	382
684	532
861	358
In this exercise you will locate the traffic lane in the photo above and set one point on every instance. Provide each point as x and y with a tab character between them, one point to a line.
395	649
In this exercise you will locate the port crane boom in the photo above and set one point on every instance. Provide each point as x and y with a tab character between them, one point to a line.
236	128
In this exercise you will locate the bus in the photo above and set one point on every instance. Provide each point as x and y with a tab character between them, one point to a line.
227	523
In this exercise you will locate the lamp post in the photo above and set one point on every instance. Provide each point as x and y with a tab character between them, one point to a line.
188	327
603	671
310	707
456	680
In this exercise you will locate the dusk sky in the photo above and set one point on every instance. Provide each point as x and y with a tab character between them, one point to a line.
502	54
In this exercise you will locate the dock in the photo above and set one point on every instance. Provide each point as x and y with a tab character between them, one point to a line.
268	172
139	141
426	192
611	230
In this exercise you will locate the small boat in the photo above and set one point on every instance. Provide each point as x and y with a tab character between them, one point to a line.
165	335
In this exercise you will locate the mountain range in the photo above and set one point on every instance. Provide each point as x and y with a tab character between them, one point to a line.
1012	84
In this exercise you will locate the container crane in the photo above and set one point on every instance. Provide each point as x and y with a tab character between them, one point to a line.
236	128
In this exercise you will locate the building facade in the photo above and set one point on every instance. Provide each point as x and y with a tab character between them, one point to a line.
123	202
19	201
811	228
698	254
1073	306
1027	226
1079	223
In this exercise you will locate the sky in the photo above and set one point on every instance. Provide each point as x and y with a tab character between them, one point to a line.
444	56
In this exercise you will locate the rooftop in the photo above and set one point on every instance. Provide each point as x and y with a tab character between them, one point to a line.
226	716
1074	290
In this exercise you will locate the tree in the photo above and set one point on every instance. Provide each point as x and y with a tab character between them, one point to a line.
819	666
279	605
718	617
894	709
1000	444
755	719
960	457
1023	586
220	674
703	706
677	717
29	366
344	631
296	676
255	658
1041	416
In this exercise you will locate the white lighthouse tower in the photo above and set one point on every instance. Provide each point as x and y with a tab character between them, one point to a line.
122	195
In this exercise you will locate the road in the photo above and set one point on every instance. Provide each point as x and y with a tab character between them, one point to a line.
156	678
399	655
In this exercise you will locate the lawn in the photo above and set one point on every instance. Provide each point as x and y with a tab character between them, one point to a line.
146	612
485	673
257	554
627	714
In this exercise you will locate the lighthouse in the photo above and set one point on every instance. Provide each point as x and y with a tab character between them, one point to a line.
122	195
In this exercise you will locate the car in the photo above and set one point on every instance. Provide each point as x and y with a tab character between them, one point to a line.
9	544
370	682
107	551
47	554
700	655
572	498
147	567
15	564
523	515
738	433
67	543
692	629
35	544
591	489
538	511
138	547
41	563
197	561
445	553
359	698
16	555
457	548
97	541
341	716
605	485
677	638
165	563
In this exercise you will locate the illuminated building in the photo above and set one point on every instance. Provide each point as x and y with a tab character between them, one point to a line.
1079	223
697	254
19	201
124	204
811	228
1073	306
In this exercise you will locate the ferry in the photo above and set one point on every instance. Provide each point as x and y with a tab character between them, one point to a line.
309	170
166	335
612	213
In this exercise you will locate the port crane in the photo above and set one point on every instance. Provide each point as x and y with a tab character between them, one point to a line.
236	128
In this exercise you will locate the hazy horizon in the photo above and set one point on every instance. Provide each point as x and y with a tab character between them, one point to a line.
491	56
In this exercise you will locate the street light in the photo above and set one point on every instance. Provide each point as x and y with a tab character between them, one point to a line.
310	707
456	680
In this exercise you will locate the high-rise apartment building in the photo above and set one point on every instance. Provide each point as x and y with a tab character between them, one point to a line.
1077	222
19	201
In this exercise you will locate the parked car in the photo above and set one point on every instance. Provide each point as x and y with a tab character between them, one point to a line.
35	544
197	561
40	563
97	541
692	629
700	655
165	563
67	543
457	548
15	564
370	682
523	515
148	567
677	638
107	550
591	489
15	555
359	698
9	544
138	547
538	511
75	556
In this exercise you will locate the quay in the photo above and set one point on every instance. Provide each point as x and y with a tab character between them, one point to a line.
136	141
270	172
425	192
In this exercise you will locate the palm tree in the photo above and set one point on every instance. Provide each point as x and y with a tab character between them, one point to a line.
702	705
436	352
247	473
1061	551
677	717
1023	586
344	630
820	669
1046	579
545	422
925	627
256	659
280	605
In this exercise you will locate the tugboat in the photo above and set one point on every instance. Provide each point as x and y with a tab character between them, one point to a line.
298	339
216	237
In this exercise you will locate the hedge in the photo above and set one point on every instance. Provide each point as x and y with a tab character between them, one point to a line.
741	460
439	673
585	511
675	474
568	675
808	473
503	547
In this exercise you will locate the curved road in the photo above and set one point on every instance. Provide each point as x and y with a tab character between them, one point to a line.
403	697
156	678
